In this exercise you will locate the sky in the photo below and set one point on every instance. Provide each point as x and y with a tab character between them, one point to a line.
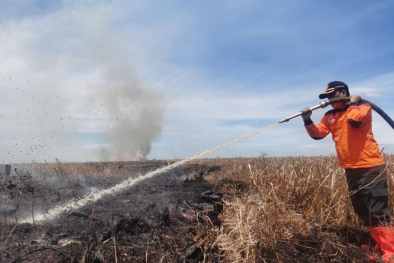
123	80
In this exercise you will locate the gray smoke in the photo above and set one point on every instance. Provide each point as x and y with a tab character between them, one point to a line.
133	112
135	115
70	90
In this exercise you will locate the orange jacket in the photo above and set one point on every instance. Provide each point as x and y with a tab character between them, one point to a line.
351	131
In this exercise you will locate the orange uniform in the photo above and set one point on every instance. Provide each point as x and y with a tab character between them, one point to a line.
351	130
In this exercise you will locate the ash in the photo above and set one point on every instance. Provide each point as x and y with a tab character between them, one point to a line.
158	219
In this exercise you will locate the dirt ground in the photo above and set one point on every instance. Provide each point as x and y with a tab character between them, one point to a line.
161	219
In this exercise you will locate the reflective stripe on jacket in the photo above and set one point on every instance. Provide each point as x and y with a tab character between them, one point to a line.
351	131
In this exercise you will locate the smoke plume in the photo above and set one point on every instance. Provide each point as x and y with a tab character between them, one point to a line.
134	113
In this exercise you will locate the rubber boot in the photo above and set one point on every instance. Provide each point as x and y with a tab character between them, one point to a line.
384	236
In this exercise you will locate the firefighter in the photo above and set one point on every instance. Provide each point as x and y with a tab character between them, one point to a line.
350	125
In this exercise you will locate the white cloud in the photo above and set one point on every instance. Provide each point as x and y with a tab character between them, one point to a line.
219	78
380	86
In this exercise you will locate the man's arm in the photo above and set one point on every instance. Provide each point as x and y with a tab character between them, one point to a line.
357	112
316	132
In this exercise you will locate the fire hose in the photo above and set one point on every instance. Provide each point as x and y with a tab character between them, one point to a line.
324	104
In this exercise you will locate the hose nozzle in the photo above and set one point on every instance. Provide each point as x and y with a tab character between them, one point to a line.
322	105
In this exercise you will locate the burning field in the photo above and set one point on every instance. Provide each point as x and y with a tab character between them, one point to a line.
148	222
292	209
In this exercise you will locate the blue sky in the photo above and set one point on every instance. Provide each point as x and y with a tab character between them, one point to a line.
185	76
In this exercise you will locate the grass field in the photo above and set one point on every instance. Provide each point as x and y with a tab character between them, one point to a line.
293	209
285	209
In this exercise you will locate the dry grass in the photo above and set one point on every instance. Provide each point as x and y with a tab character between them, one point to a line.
68	170
288	209
293	209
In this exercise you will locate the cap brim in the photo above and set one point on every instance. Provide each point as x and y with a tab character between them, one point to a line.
325	94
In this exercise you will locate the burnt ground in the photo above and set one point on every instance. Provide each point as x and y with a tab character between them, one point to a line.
172	217
161	219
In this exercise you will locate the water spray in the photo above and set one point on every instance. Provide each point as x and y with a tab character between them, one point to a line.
324	104
93	197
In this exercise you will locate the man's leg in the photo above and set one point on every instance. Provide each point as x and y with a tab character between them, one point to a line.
369	196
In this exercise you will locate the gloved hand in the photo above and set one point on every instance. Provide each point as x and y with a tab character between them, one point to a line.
355	98
306	114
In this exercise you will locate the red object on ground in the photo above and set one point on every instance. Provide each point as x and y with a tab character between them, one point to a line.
384	237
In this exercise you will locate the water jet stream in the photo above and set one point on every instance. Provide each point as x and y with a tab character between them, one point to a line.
92	197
